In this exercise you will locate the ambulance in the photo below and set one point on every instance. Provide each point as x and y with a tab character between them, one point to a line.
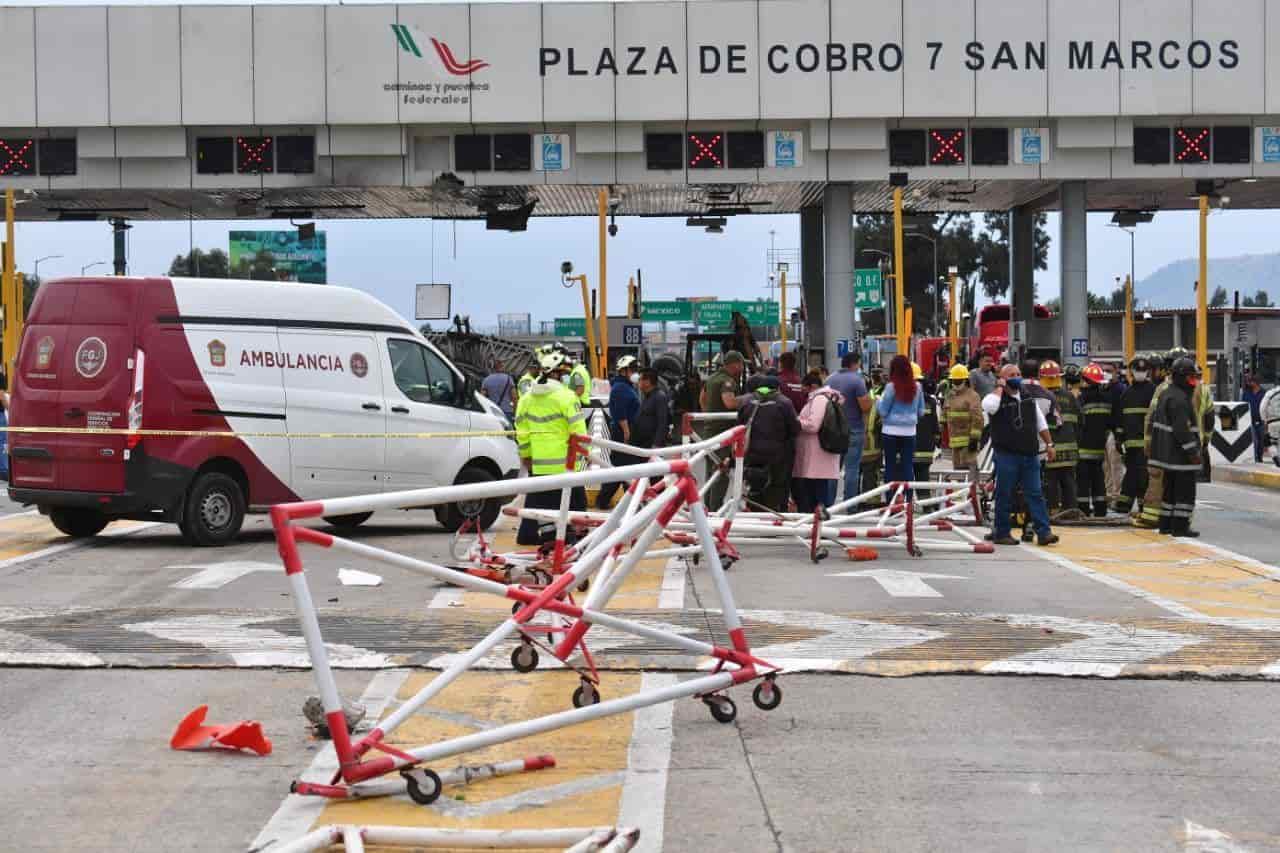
327	393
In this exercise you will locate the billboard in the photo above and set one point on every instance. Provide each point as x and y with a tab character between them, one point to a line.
278	256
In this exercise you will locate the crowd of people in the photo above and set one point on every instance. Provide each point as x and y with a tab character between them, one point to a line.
1065	441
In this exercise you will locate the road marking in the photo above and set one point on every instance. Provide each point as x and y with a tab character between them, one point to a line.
1105	652
254	647
1203	839
845	640
40	533
901	584
218	575
297	814
644	792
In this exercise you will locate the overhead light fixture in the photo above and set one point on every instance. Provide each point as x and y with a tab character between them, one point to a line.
706	222
1132	218
512	219
715	229
1248	180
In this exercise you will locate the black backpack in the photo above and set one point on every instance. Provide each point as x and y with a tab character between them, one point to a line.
833	435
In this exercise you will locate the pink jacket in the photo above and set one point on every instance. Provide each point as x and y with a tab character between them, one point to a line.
812	462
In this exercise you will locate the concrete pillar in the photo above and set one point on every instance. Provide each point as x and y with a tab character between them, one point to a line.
813	279
1022	263
1074	263
837	245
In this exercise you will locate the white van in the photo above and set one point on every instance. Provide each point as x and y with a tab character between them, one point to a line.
330	370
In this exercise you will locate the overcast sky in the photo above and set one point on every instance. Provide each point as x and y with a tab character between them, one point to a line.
496	271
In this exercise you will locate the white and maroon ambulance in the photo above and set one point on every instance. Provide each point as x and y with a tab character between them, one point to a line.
316	380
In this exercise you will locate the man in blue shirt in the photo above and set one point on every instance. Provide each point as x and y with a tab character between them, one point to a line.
849	382
499	387
1253	394
624	406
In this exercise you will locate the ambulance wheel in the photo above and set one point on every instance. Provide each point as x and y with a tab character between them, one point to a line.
586	694
215	508
454	515
77	522
767	695
524	658
423	785
722	708
355	519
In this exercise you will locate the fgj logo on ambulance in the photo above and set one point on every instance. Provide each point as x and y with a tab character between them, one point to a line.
91	357
359	365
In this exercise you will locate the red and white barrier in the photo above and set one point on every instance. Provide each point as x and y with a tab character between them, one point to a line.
641	518
352	839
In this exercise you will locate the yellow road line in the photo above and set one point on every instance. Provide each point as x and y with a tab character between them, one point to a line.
1177	569
26	534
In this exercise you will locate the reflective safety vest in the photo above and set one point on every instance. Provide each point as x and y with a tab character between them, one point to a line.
580	383
964	418
1202	405
1065	434
871	451
526	382
545	418
926	431
1151	411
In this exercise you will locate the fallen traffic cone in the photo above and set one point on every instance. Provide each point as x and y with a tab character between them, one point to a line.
246	734
860	553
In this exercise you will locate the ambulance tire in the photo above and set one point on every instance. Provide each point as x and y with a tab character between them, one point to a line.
78	522
215	509
453	516
348	522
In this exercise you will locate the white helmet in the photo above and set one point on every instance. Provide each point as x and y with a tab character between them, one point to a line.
626	362
551	361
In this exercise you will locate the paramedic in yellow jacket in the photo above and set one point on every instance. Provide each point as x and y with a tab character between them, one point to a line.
545	418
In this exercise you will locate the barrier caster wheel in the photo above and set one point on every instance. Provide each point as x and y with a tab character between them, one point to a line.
423	784
585	585
586	694
767	695
820	555
727	563
541	578
722	708
524	658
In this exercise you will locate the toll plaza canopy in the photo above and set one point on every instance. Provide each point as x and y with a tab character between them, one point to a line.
733	106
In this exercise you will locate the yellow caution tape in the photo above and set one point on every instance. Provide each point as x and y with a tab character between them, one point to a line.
206	433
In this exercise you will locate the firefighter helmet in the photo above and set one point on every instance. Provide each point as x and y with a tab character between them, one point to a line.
626	362
1093	374
1140	362
1050	374
916	371
1173	355
1071	374
551	361
959	373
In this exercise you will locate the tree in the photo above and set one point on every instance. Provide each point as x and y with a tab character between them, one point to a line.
261	267
1219	299
211	264
1260	300
993	252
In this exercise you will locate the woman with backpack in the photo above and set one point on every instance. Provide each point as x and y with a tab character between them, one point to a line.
820	447
901	406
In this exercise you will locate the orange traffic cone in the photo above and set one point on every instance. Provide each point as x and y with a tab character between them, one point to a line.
860	553
246	734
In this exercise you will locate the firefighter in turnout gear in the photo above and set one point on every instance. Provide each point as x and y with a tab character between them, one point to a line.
545	418
1096	422
928	432
1149	515
1176	448
1060	474
964	422
872	451
1134	406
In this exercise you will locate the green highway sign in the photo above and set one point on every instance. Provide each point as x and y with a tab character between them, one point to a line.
666	312
868	290
571	327
720	314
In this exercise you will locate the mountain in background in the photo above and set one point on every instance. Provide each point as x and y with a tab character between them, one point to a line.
1171	285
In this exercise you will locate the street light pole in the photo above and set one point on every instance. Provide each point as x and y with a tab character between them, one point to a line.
92	265
36	273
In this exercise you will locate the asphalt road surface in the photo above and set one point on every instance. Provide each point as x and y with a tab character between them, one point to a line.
1112	693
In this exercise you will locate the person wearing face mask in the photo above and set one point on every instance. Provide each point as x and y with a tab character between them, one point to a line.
1133	412
624	406
1176	448
1018	430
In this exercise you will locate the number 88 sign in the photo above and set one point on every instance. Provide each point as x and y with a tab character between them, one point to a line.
1080	347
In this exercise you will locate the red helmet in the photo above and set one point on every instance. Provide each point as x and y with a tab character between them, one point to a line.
1093	374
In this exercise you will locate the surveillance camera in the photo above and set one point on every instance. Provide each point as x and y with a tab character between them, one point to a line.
613	229
566	267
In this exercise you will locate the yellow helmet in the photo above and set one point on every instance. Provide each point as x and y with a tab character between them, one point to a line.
1050	374
916	371
959	373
